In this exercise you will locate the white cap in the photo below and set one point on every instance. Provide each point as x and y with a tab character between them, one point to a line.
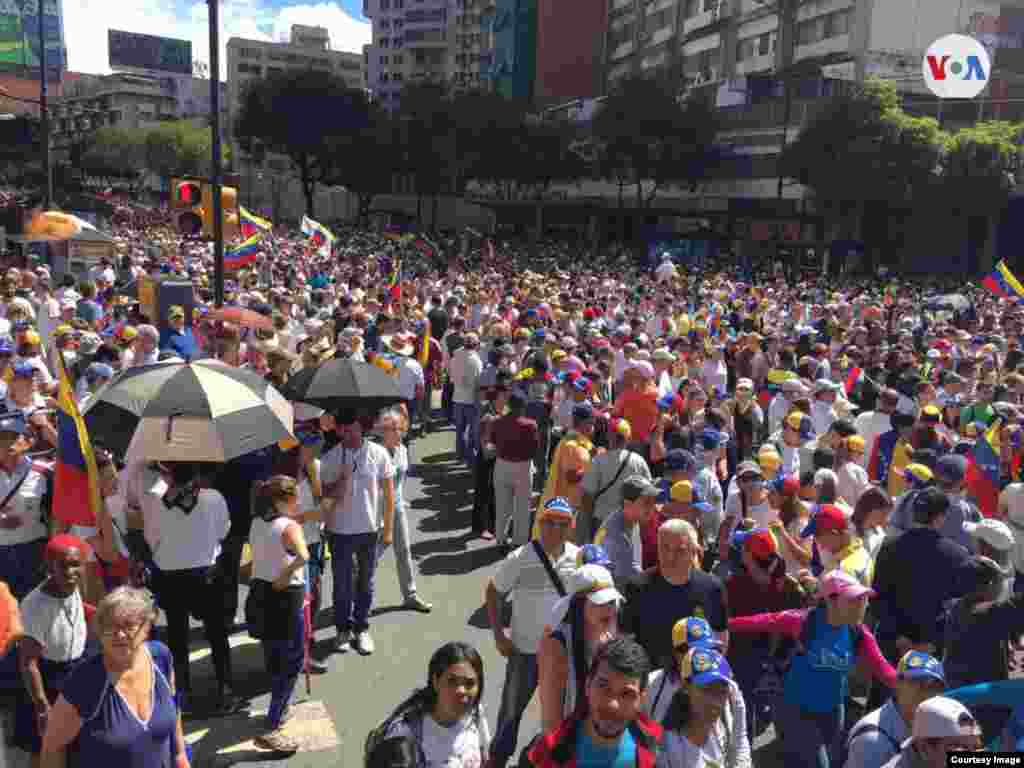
995	533
942	718
593	580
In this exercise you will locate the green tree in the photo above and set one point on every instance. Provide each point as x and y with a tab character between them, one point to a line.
864	154
646	137
363	159
116	151
542	154
179	147
296	113
979	162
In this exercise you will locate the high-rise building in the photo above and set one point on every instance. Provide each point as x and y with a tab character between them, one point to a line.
570	50
309	48
439	41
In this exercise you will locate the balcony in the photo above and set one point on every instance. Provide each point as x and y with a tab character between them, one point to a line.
769	115
622	50
764	63
840	43
702	21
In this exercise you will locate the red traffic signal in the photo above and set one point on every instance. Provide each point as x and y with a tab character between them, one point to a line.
187	194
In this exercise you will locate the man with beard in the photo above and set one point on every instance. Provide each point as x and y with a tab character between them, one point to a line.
608	729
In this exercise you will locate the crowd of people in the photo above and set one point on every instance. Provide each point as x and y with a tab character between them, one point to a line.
726	500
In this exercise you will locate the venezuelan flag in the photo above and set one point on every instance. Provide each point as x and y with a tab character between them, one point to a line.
76	483
1002	282
242	255
983	470
395	281
252	224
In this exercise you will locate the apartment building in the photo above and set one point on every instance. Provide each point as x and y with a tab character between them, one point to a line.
441	41
308	48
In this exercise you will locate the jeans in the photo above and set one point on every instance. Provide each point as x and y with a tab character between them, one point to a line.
353	592
809	739
283	657
467	430
21	566
520	684
513	492
403	556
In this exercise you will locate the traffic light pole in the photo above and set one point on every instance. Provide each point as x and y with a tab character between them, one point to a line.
215	165
44	114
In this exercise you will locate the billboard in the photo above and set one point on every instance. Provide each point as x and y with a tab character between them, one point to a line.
129	50
19	37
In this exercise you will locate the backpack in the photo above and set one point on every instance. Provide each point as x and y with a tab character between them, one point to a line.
868	728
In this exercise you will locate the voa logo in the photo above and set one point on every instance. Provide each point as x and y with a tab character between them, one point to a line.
956	67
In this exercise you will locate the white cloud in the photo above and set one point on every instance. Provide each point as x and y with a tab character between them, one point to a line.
86	24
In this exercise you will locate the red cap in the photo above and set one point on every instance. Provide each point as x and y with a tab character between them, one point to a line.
761	544
828	517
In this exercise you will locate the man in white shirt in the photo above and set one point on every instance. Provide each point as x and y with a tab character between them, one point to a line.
524	576
872	424
410	372
465	370
358	476
22	530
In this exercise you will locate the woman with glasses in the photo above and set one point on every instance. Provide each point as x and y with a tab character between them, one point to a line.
118	708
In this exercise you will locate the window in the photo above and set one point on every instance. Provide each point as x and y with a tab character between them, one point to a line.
810	31
249	69
274	71
399	4
620	35
764	44
747	49
659	20
837	23
397	59
250	53
385	42
693	7
710	5
383	61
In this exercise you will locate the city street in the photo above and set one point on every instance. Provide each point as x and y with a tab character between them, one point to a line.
358	692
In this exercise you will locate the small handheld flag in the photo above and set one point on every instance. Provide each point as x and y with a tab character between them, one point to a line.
242	255
252	224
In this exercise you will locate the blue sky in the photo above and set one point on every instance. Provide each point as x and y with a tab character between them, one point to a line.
86	23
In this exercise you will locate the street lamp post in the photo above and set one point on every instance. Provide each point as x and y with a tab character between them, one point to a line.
215	166
44	114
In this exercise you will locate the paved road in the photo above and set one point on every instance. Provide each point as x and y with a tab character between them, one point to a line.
358	692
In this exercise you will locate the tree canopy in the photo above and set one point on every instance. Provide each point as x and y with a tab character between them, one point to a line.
300	114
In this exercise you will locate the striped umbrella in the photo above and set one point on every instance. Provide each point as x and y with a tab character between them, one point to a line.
201	411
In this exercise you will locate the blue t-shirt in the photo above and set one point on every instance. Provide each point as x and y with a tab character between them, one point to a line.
88	310
591	755
817	679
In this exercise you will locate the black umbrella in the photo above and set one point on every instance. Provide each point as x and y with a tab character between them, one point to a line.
200	411
344	384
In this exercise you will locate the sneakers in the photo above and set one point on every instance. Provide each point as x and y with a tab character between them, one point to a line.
416	603
316	667
343	642
277	741
364	643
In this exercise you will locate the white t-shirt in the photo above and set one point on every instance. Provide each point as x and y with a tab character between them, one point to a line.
311	529
533	594
179	541
727	745
269	557
56	623
851	482
462	745
358	511
410	376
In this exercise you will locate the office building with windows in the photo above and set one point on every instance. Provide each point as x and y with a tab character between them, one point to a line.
434	41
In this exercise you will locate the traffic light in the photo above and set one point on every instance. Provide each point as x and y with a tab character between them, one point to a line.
229	207
186	196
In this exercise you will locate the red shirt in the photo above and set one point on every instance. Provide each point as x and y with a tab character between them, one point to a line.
515	437
649	539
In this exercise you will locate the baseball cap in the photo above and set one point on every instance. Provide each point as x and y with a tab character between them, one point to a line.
951	468
594	581
683	492
918	665
636	486
694	632
748	468
592	554
703	667
841	584
787	485
769	458
559	506
918	475
995	533
828	517
13	424
758	541
942	718
710	439
802	424
680	460
23	370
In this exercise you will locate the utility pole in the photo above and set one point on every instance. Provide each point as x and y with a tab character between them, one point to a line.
44	114
217	171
